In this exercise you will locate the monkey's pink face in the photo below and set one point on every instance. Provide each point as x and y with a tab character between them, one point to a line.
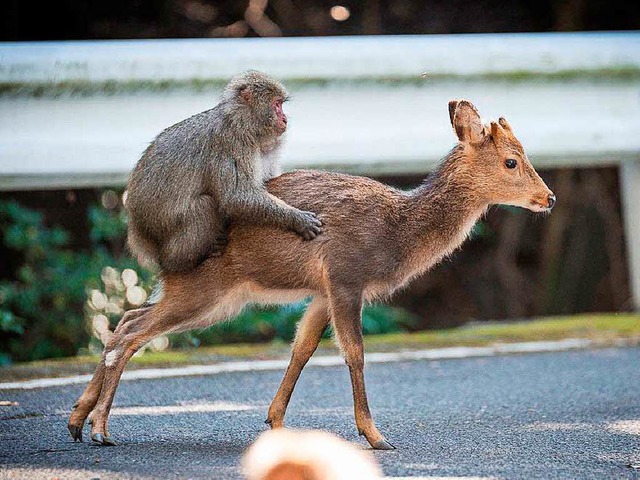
281	118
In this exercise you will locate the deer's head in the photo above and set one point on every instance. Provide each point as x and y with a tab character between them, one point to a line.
495	163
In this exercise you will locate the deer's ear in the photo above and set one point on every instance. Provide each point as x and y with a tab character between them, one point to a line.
452	111
466	122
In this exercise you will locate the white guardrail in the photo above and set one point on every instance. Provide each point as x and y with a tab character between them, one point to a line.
360	103
79	114
324	58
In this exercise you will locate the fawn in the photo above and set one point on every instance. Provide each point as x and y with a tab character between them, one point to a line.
376	239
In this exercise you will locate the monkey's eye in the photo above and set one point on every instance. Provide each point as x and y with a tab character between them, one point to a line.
510	163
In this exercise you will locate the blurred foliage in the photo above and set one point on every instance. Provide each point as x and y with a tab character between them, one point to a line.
41	309
107	225
62	301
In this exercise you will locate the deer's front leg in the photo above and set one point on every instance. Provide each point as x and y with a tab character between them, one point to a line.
310	330
346	313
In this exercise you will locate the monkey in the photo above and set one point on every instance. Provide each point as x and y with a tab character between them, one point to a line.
205	173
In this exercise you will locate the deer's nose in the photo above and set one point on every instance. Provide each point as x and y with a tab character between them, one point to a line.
551	200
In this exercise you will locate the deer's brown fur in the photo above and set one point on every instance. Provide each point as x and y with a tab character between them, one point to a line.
376	239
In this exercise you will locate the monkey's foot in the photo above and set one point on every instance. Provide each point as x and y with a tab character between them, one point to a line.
100	439
76	432
382	444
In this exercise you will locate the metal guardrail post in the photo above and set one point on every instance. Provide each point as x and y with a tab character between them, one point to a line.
630	189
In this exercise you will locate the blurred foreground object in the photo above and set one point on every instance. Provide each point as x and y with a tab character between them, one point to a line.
307	455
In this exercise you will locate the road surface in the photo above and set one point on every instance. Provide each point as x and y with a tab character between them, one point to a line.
572	414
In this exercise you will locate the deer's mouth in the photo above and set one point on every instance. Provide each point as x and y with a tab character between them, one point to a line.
537	206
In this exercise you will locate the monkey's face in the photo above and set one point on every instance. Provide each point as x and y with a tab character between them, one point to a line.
279	117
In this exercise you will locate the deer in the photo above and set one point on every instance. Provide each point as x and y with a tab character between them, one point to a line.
376	239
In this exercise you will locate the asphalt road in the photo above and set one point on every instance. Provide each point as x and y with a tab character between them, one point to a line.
555	415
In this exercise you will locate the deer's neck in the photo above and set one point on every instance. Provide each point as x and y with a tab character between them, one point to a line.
442	211
436	218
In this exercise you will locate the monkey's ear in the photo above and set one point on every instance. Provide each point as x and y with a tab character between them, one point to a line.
245	94
467	123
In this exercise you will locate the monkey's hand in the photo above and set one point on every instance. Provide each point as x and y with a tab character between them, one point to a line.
308	225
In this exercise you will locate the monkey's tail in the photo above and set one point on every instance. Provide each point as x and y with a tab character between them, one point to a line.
155	296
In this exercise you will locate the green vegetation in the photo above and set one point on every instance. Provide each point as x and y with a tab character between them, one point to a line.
598	327
42	308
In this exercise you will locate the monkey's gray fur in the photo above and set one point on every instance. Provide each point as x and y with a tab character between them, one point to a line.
208	171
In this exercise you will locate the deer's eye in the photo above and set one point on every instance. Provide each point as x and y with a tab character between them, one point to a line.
511	163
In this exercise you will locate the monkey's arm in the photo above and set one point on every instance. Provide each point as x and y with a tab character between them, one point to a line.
260	207
238	186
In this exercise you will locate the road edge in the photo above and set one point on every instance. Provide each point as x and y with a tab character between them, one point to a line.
447	353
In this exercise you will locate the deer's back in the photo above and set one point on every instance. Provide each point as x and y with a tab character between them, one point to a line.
359	240
337	196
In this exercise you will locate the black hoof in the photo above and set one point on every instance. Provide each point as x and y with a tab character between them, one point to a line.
383	445
100	439
76	433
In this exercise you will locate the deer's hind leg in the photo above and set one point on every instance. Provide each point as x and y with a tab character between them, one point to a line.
126	340
310	330
183	311
84	405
